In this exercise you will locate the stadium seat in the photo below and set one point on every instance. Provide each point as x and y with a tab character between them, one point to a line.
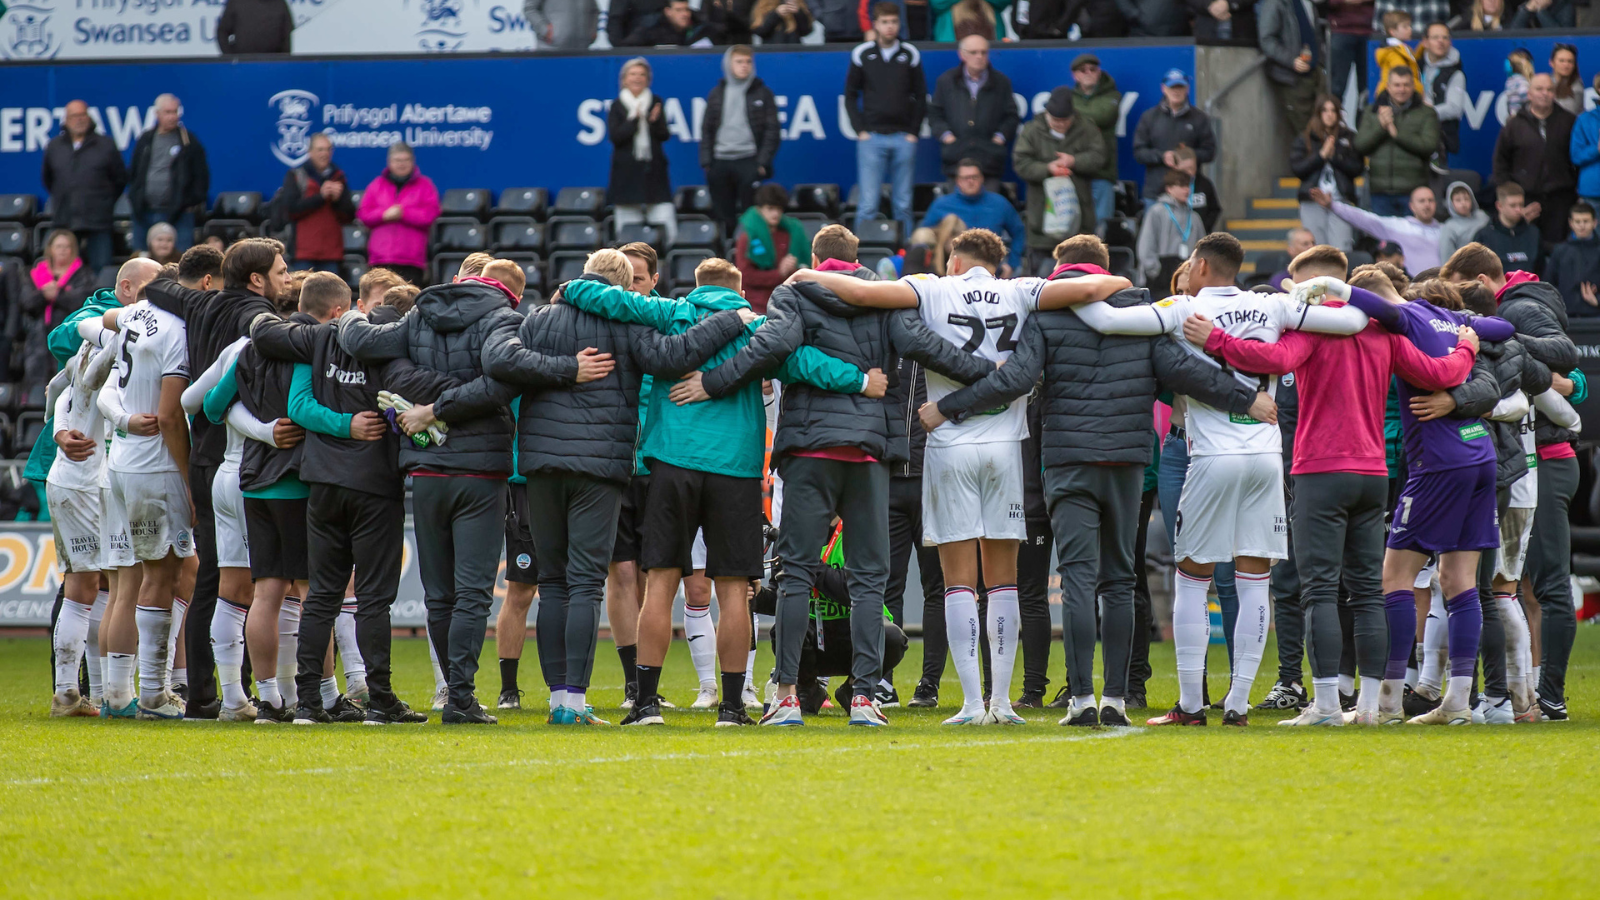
531	300
565	266
818	198
880	233
18	207
653	235
681	265
869	257
8	397
121	239
352	269
469	202
698	232
107	277
29	426
693	199
1129	202
355	238
523	201
15	239
516	233
813	223
1124	263
885	199
1120	232
445	266
459	236
923	195
33	398
1358	258
355	197
1270	263
238	205
531	271
580	201
229	230
7	431
572	233
41	230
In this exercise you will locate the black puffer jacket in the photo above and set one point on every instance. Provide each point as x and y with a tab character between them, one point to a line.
1497	372
84	183
814	419
447	333
1099	389
589	429
1540	317
908	390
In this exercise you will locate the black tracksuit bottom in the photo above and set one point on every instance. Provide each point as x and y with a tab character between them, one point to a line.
197	637
460	523
346	529
1548	571
574	522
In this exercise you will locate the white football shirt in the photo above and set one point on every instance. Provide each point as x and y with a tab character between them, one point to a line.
982	315
150	346
76	410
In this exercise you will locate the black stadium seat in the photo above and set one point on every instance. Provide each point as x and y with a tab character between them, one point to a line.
237	205
18	207
880	233
530	270
698	232
681	265
445	267
813	223
229	230
573	233
693	199
654	235
352	269
1124	263
923	195
107	277
15	239
516	233
41	230
470	202
29	426
8	396
818	198
355	197
523	201
355	238
580	201
871	256
459	236
564	267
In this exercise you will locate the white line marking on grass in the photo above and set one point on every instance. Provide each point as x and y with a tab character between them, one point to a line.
1111	734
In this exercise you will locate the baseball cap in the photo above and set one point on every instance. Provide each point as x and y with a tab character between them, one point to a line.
1060	103
1084	59
1174	77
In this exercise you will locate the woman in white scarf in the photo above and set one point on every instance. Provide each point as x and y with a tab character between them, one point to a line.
640	190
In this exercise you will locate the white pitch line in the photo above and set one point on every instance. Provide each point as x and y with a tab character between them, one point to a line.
592	761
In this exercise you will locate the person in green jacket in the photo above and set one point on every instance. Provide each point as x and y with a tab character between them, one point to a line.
1057	143
1398	135
1096	99
706	463
947	16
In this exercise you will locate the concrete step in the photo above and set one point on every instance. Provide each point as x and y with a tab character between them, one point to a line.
1254	224
1273	204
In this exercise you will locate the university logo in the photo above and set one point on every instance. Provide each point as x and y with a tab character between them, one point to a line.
27	33
294	125
441	30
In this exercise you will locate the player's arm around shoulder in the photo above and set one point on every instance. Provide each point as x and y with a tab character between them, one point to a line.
374	343
858	292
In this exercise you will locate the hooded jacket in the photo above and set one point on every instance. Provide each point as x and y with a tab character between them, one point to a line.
761	108
562	24
1037	147
1541	163
191	177
1159	131
1446	84
1573	262
1102	107
1398	164
1170	229
1457	231
83	184
813	419
403	242
589	429
1519	247
1584	149
447	333
973	121
1540	317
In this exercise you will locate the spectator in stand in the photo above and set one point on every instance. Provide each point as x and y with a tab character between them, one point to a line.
1444	87
161	244
1288	39
739	136
1564	72
319	206
1097	100
866	13
1466	219
1202	193
1396	50
780	21
972	112
1053	151
1398	135
1519	68
674	27
563	24
1423	12
955	19
1585	152
1057	20
1296	242
54	289
1223	22
1324	156
978	207
725	22
1391	253
254	27
624	17
1169	231
1170	124
1534	148
1545	14
1349	29
1483	15
770	245
841	20
640	190
1574	266
1511	234
1417	233
169	178
886	97
1155	18
399	207
84	175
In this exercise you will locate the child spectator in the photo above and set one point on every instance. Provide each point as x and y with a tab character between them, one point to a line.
1574	266
1169	232
769	246
1519	68
1466	219
1396	51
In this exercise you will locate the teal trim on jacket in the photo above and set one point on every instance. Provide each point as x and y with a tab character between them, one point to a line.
63	341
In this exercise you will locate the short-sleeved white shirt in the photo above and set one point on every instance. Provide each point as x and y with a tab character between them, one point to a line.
151	345
982	315
76	410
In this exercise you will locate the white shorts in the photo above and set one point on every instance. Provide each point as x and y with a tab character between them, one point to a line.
156	507
697	553
75	519
1424	579
1516	524
227	503
116	549
973	491
1232	506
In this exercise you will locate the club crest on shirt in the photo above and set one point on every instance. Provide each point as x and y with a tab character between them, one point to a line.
524	560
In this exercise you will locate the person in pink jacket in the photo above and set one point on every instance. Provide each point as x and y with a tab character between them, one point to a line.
399	206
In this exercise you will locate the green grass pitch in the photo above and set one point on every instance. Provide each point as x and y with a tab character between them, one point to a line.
151	809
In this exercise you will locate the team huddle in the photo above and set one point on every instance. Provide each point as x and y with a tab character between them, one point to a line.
220	429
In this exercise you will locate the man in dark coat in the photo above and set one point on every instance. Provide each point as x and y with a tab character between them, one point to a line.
972	113
1534	150
170	178
84	173
254	26
739	136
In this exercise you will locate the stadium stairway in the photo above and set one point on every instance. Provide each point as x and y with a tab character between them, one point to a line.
1263	228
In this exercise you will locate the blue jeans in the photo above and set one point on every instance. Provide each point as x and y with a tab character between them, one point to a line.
1347	52
95	247
1170	476
1105	201
184	223
899	156
1392	204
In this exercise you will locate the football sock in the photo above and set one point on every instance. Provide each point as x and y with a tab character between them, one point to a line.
961	624
1400	611
155	626
330	692
1191	632
227	645
180	606
1325	695
344	635
439	683
649	680
71	636
629	657
267	690
1430	678
1466	630
1116	703
1249	637
702	638
97	659
1519	656
119	679
1533	677
508	675
732	687
1347	684
1005	615
288	650
558	696
1367	700
1414	666
575	700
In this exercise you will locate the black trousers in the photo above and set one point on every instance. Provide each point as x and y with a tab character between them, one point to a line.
905	538
1139	670
350	529
460	523
1089	508
1288	615
1548	573
574	522
1033	597
732	184
1338	526
1492	644
197	637
836	655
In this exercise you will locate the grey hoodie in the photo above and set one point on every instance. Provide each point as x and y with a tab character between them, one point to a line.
1457	231
562	24
734	138
1169	230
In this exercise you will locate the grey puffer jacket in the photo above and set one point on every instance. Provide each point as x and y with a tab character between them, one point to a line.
1099	390
447	333
815	419
1540	316
589	429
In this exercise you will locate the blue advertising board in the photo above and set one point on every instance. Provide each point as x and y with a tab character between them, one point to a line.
499	121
